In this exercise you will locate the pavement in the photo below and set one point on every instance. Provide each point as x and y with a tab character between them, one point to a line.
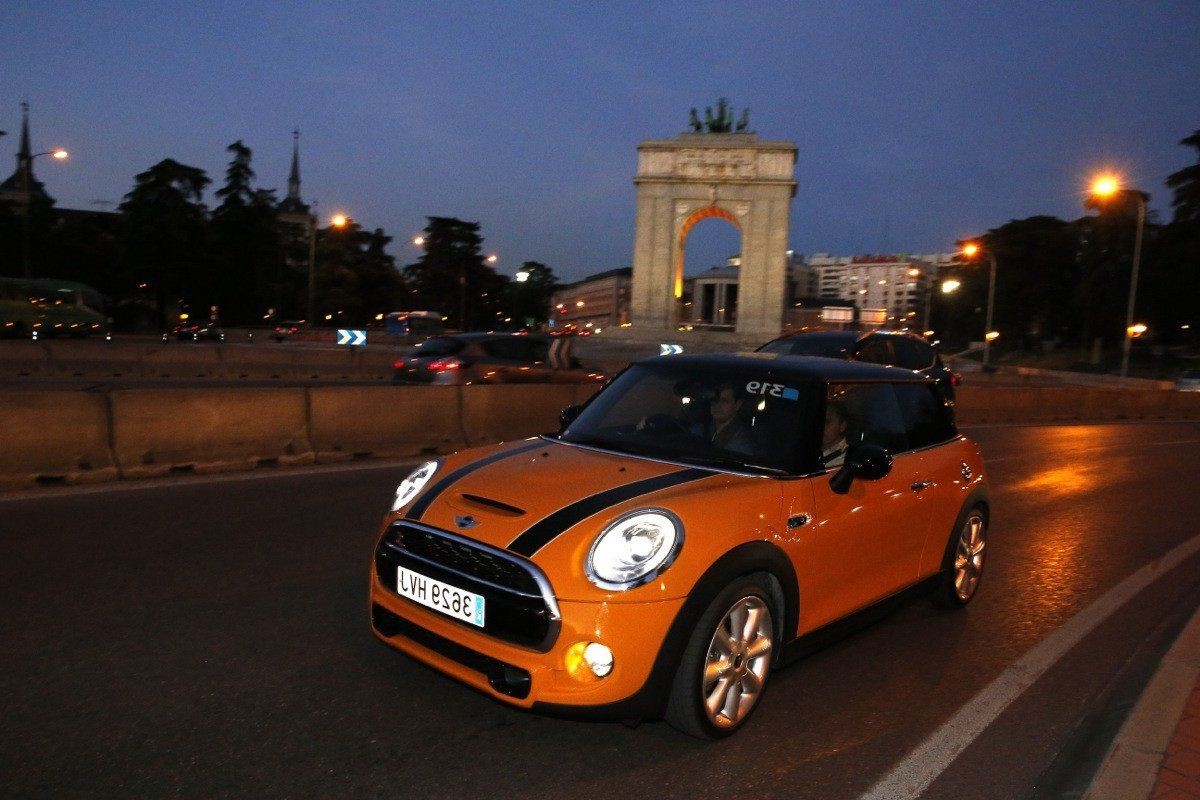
1156	754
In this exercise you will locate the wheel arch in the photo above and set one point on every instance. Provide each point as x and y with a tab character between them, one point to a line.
746	559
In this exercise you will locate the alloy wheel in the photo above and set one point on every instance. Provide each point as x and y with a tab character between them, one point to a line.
739	656
968	558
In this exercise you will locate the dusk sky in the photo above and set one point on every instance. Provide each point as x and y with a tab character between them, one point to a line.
917	123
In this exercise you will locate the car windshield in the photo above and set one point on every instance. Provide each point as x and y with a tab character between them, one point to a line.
800	346
751	419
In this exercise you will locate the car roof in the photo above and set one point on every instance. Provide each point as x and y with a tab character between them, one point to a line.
797	367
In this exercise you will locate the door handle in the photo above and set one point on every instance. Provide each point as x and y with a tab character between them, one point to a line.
921	486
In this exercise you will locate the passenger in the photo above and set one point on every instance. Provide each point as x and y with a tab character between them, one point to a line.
833	442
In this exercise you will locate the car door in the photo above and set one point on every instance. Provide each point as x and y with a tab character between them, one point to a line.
931	434
863	545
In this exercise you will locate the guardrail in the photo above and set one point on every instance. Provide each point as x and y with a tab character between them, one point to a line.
73	437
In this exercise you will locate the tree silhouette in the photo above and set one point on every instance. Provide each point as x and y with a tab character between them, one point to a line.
164	233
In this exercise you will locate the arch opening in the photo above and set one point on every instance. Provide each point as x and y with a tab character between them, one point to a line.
714	238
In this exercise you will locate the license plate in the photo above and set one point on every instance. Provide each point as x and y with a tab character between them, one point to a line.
450	600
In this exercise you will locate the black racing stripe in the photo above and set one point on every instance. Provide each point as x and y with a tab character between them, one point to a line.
429	495
545	530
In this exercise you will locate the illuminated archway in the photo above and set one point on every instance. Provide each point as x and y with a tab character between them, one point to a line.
694	177
708	212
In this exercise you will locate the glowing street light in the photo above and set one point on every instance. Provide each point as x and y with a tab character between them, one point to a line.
991	336
971	250
338	221
419	241
522	276
1106	187
950	286
492	258
1136	331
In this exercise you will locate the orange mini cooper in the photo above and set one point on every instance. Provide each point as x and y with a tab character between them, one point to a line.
701	520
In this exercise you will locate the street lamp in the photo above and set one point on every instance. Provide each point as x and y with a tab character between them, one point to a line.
25	167
337	221
949	286
1104	188
970	250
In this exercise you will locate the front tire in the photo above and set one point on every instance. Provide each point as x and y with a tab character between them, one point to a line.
726	662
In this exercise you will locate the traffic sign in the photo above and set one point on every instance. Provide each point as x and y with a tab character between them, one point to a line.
351	337
670	349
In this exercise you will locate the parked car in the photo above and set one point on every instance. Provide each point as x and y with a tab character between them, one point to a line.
700	521
893	348
473	358
194	332
1188	381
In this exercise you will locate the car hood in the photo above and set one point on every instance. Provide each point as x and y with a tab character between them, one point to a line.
522	496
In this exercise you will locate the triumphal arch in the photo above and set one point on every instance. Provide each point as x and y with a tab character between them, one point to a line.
696	176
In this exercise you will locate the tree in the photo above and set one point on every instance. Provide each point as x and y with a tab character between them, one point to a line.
529	300
356	279
1186	185
163	234
451	276
247	247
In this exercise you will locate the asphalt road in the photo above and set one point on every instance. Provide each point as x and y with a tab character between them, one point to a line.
208	638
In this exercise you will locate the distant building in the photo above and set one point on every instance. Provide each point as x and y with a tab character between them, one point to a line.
888	290
297	225
597	301
22	186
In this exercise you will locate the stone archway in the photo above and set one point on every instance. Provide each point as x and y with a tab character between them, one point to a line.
701	175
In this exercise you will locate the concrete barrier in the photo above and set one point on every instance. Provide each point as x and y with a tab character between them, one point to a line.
20	358
182	360
156	431
54	437
63	436
512	411
348	422
94	358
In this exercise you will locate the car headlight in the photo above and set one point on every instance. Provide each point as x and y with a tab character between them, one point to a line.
634	549
414	483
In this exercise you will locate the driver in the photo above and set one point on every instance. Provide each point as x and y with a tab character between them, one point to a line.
727	430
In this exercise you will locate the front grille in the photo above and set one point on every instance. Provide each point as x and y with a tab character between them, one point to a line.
467	559
520	607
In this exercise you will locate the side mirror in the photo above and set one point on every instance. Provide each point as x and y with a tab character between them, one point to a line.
866	462
568	415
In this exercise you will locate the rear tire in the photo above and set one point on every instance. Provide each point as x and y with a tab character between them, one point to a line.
726	662
963	562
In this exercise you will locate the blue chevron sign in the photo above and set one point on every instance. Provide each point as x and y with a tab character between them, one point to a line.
351	337
670	349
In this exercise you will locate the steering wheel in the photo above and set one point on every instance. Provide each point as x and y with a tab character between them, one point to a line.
661	424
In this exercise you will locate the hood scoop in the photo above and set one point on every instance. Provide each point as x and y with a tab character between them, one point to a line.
495	505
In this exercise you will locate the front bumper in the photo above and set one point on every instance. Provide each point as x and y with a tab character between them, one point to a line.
523	677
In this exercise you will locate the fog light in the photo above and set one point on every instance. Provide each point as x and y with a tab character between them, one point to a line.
587	661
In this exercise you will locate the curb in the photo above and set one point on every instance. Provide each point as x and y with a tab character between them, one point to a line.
1130	769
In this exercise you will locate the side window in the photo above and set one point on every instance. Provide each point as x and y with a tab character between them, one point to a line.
927	418
514	349
872	415
539	349
876	351
912	354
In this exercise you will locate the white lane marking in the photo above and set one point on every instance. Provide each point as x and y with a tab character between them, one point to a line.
913	775
169	482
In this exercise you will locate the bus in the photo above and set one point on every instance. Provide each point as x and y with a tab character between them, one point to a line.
41	307
414	324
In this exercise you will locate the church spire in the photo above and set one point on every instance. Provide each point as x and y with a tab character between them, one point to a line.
294	177
24	155
21	186
292	204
